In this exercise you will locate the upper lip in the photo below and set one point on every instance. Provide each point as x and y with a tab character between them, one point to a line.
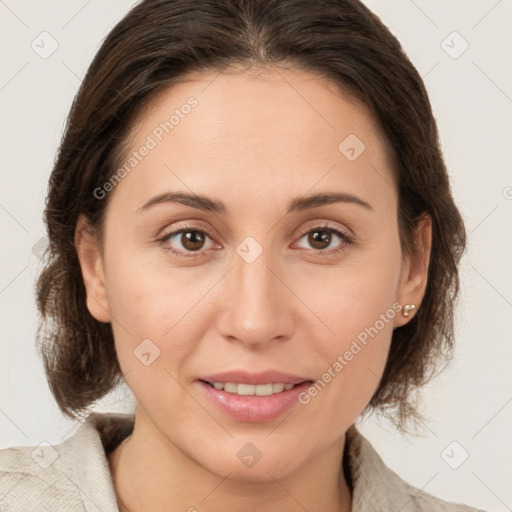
245	377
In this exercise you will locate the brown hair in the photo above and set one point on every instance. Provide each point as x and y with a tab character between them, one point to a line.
158	43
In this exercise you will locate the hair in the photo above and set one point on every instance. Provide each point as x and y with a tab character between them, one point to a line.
161	42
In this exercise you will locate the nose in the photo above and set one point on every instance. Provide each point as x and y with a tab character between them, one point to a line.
256	305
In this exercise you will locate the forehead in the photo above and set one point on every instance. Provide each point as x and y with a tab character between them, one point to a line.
255	131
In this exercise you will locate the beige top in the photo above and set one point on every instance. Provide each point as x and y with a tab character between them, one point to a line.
75	475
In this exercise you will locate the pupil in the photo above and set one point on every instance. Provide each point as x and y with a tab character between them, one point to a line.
192	240
323	238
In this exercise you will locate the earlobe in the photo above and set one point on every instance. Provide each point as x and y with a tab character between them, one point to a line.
415	272
91	264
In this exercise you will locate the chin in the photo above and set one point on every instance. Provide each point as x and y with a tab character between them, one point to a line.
243	461
261	472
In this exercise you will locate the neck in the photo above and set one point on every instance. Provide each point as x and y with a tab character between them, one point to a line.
147	477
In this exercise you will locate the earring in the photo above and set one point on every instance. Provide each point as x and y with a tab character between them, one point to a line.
406	310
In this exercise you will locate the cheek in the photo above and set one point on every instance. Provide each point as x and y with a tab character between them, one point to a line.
143	306
153	332
146	295
351	296
156	310
350	362
356	307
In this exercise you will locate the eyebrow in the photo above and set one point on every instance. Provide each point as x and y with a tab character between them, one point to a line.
210	205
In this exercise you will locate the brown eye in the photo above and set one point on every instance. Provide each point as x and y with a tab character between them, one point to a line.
321	237
185	242
192	240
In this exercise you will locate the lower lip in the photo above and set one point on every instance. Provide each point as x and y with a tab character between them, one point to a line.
252	408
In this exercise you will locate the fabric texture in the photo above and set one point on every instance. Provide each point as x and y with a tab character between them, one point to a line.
75	475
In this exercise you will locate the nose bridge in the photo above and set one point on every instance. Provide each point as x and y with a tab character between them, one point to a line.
255	310
255	283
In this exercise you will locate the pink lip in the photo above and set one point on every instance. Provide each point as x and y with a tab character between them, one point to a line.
243	377
253	409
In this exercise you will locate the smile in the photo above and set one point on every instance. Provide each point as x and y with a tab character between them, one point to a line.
251	389
253	403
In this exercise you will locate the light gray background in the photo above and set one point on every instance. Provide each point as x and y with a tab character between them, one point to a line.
472	99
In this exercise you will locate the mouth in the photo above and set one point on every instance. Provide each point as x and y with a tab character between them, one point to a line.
242	389
253	403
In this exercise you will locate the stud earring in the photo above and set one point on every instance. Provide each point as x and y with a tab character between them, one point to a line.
407	309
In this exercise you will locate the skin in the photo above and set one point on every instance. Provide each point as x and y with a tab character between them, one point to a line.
255	141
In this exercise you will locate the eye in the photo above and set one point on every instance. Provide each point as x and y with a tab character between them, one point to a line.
185	242
321	237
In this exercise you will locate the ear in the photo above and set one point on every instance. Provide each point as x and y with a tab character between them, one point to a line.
413	280
91	263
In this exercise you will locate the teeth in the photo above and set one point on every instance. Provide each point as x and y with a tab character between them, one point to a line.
251	389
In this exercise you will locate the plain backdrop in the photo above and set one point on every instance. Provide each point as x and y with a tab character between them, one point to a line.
462	48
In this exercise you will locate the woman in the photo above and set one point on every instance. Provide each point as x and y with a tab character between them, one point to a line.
251	223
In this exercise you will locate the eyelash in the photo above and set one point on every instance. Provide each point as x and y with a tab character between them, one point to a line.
346	240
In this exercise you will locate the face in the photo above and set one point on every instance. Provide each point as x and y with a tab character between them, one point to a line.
258	277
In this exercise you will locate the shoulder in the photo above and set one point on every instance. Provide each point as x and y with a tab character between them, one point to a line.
73	475
376	487
426	502
31	475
